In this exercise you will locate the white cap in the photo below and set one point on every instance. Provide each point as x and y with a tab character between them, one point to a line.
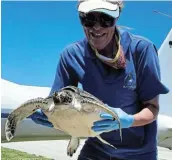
105	6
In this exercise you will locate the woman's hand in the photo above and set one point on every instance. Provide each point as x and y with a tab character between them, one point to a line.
107	123
40	118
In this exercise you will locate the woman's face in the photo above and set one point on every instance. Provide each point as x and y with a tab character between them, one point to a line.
98	36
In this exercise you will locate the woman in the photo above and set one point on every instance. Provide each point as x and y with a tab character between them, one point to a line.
123	71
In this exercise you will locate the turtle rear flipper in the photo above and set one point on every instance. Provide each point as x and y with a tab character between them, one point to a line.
73	145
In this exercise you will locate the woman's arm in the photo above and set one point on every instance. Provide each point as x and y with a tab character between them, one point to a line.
148	114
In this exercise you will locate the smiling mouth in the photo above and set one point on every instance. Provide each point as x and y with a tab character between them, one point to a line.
96	35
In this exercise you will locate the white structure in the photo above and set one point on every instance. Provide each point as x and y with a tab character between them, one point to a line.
165	57
165	119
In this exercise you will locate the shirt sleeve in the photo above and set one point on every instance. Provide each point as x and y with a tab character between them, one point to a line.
148	71
64	75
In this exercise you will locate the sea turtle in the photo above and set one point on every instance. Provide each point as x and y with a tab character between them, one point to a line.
71	110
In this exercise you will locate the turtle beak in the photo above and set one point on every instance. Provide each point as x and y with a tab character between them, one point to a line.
56	98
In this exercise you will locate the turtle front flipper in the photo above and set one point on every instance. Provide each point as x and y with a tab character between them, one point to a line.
21	113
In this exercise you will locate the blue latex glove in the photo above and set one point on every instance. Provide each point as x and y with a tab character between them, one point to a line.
107	123
40	118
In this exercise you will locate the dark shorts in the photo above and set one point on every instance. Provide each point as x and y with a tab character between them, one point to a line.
89	152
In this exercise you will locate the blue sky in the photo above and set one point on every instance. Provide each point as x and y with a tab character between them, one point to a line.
34	33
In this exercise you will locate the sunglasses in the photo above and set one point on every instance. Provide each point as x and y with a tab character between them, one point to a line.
90	19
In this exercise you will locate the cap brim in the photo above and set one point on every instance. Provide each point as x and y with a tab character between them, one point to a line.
105	7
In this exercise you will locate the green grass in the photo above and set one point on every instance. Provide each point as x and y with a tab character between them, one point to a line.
11	154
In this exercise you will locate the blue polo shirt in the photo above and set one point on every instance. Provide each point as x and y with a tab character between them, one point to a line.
123	88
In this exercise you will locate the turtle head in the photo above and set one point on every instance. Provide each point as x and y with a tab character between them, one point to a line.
62	97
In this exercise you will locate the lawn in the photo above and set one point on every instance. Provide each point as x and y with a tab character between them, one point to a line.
11	154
